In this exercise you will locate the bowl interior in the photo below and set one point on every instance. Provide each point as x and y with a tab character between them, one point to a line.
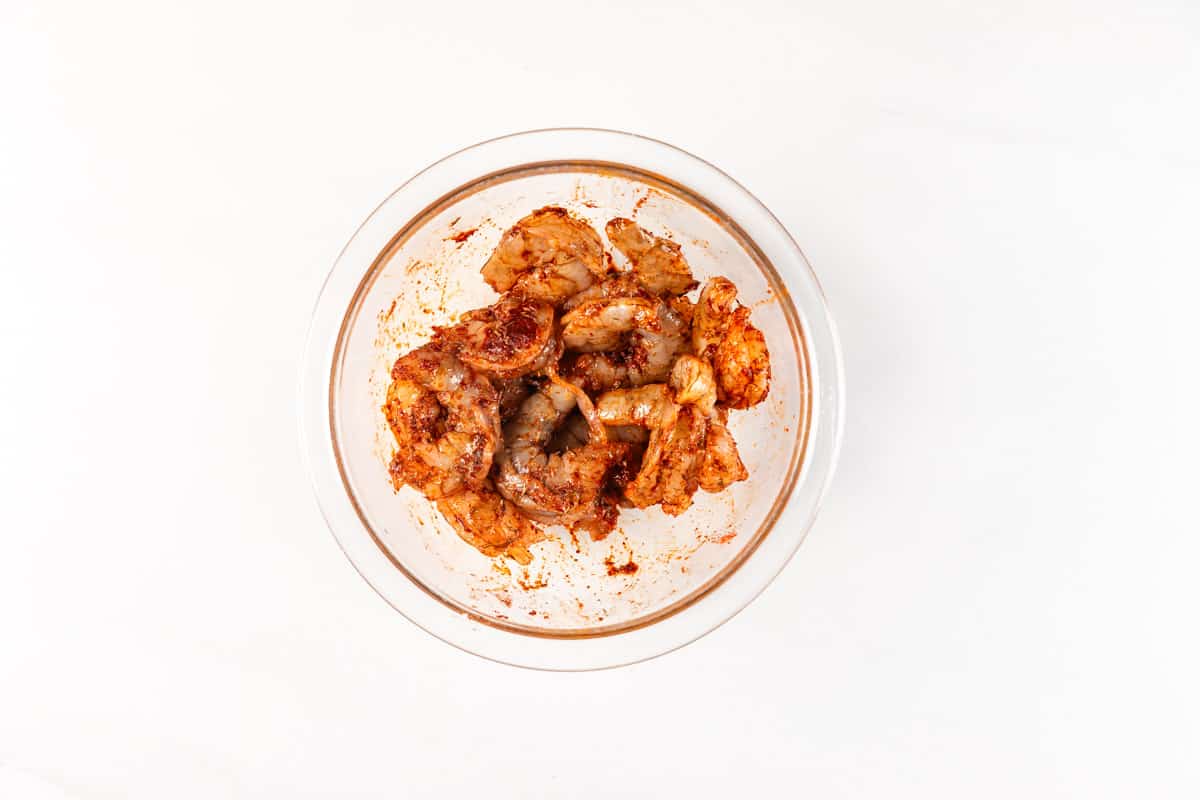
428	275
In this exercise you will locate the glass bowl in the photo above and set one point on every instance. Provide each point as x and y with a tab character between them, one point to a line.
657	582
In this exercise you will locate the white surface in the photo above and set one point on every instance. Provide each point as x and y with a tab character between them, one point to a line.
1000	597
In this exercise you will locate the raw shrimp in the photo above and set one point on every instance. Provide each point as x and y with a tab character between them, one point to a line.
683	307
548	255
669	471
711	314
595	372
622	284
742	363
601	324
658	263
651	352
598	520
694	383
557	488
682	460
722	466
513	337
596	429
489	523
446	422
646	357
577	432
737	349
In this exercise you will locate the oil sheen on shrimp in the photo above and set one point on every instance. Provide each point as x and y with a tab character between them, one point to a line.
446	422
693	382
742	363
711	314
489	523
513	337
737	349
621	284
669	472
548	255
602	324
722	465
647	353
658	263
565	488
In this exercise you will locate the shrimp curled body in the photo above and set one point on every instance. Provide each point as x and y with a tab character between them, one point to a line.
556	488
669	472
511	338
737	349
653	335
446	422
548	255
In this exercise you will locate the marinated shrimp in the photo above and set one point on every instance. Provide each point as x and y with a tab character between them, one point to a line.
601	324
548	255
446	422
742	363
622	284
582	388
647	353
685	309
489	523
722	465
682	460
669	472
513	337
737	349
565	488
658	263
710	315
694	382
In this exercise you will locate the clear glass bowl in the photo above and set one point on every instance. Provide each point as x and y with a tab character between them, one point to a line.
415	263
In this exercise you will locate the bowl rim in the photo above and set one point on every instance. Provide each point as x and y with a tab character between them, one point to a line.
820	362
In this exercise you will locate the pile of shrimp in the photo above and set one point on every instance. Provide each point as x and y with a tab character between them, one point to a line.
585	388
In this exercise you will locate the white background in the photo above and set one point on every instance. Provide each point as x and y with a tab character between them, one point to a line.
1000	597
